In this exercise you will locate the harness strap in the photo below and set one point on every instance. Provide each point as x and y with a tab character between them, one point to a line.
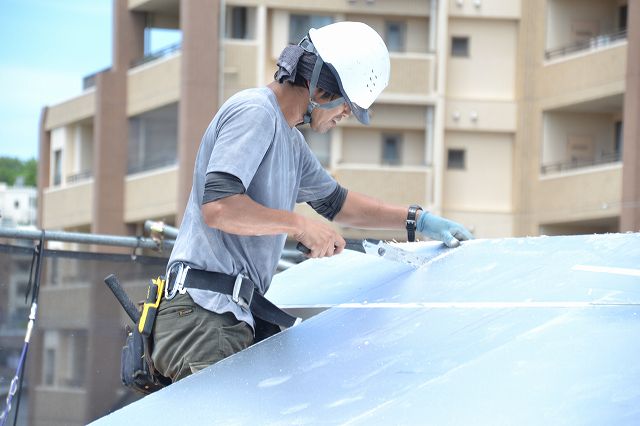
239	288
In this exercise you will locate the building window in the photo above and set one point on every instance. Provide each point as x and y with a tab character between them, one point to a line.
57	167
320	144
299	25
153	139
456	159
622	17
619	129
237	22
391	145
16	204
460	47
395	36
49	367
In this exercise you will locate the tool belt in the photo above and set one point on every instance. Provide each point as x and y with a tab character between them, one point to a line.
240	288
137	371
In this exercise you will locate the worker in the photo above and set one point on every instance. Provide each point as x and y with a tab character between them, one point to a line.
252	167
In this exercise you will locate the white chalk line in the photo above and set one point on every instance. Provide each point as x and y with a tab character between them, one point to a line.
608	270
459	305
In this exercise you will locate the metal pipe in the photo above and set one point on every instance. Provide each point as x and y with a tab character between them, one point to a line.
83	238
151	226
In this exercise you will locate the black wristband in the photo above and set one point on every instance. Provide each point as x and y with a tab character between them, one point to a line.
411	222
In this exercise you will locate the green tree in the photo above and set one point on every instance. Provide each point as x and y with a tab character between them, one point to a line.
30	172
11	168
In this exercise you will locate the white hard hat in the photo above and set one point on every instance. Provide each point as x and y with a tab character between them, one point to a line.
359	60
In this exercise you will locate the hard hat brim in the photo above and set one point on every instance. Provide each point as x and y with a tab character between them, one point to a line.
361	114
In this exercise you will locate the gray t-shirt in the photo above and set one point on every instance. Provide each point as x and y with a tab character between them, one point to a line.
249	138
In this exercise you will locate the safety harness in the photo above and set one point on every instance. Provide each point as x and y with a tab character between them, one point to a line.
240	288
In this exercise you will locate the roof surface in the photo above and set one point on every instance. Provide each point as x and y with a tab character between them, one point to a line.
510	331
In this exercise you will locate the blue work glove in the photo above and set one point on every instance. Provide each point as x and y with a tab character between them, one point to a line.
438	228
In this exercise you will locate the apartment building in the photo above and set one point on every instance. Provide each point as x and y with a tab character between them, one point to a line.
508	116
579	67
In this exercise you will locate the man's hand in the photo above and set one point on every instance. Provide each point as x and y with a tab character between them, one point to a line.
320	238
438	228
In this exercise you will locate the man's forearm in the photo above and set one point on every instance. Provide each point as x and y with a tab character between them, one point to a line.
240	215
362	211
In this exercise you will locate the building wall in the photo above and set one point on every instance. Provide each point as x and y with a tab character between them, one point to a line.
478	186
483	74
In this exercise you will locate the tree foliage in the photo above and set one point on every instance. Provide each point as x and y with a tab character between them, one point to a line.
11	168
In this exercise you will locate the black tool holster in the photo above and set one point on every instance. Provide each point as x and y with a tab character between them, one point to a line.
136	366
135	370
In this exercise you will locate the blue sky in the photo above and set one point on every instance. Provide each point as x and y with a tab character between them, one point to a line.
47	47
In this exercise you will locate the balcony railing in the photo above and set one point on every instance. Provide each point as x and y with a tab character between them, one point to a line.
89	81
156	55
592	43
613	157
77	177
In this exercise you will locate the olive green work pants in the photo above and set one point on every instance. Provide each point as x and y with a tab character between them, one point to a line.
188	338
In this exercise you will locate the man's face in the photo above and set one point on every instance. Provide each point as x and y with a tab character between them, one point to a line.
323	120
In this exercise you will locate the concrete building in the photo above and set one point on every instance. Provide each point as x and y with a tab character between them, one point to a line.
17	205
508	116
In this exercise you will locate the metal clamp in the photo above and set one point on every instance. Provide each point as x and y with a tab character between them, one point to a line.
237	287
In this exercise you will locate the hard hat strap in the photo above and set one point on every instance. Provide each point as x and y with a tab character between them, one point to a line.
312	89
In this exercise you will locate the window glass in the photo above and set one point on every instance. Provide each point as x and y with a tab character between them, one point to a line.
395	36
456	159
391	149
153	139
237	22
57	167
299	25
460	46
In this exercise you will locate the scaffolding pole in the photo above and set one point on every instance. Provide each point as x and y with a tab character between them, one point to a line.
84	238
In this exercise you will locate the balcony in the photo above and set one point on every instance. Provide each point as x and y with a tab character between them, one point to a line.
68	206
153	85
89	81
582	136
57	405
77	177
591	194
151	194
613	157
574	26
412	77
73	110
591	44
159	54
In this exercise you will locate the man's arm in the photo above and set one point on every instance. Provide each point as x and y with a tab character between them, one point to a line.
240	215
362	211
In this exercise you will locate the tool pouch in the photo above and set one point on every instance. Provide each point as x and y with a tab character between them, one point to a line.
134	369
137	369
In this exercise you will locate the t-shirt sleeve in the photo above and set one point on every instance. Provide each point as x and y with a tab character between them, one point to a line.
242	138
315	183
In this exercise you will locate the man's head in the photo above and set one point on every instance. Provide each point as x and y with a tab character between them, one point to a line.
348	61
